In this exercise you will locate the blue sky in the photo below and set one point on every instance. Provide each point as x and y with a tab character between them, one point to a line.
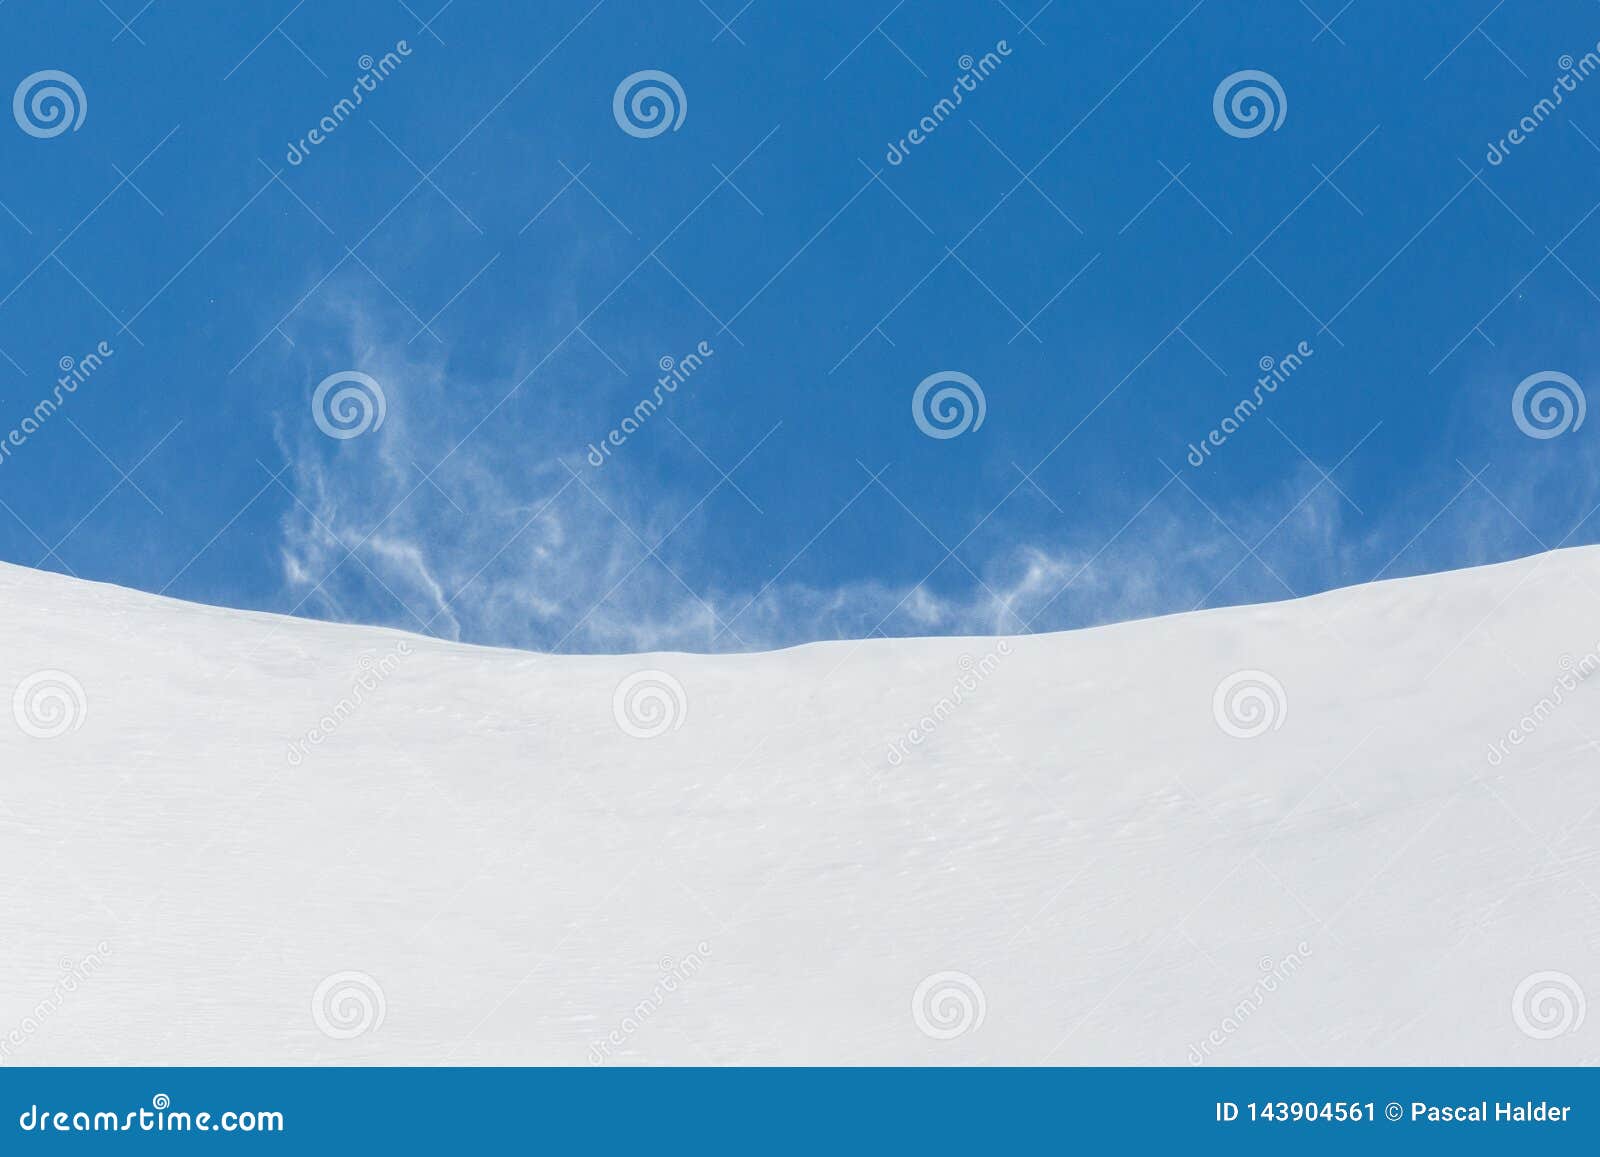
1081	236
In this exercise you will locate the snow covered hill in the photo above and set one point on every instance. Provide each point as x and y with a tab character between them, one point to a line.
1297	833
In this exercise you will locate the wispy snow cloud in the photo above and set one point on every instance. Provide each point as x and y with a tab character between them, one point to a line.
492	530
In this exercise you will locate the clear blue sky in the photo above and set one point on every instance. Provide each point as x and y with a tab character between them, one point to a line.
1080	236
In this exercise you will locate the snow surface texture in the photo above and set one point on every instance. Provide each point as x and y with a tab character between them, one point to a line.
234	837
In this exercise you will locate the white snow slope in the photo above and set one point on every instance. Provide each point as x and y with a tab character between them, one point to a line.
477	863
